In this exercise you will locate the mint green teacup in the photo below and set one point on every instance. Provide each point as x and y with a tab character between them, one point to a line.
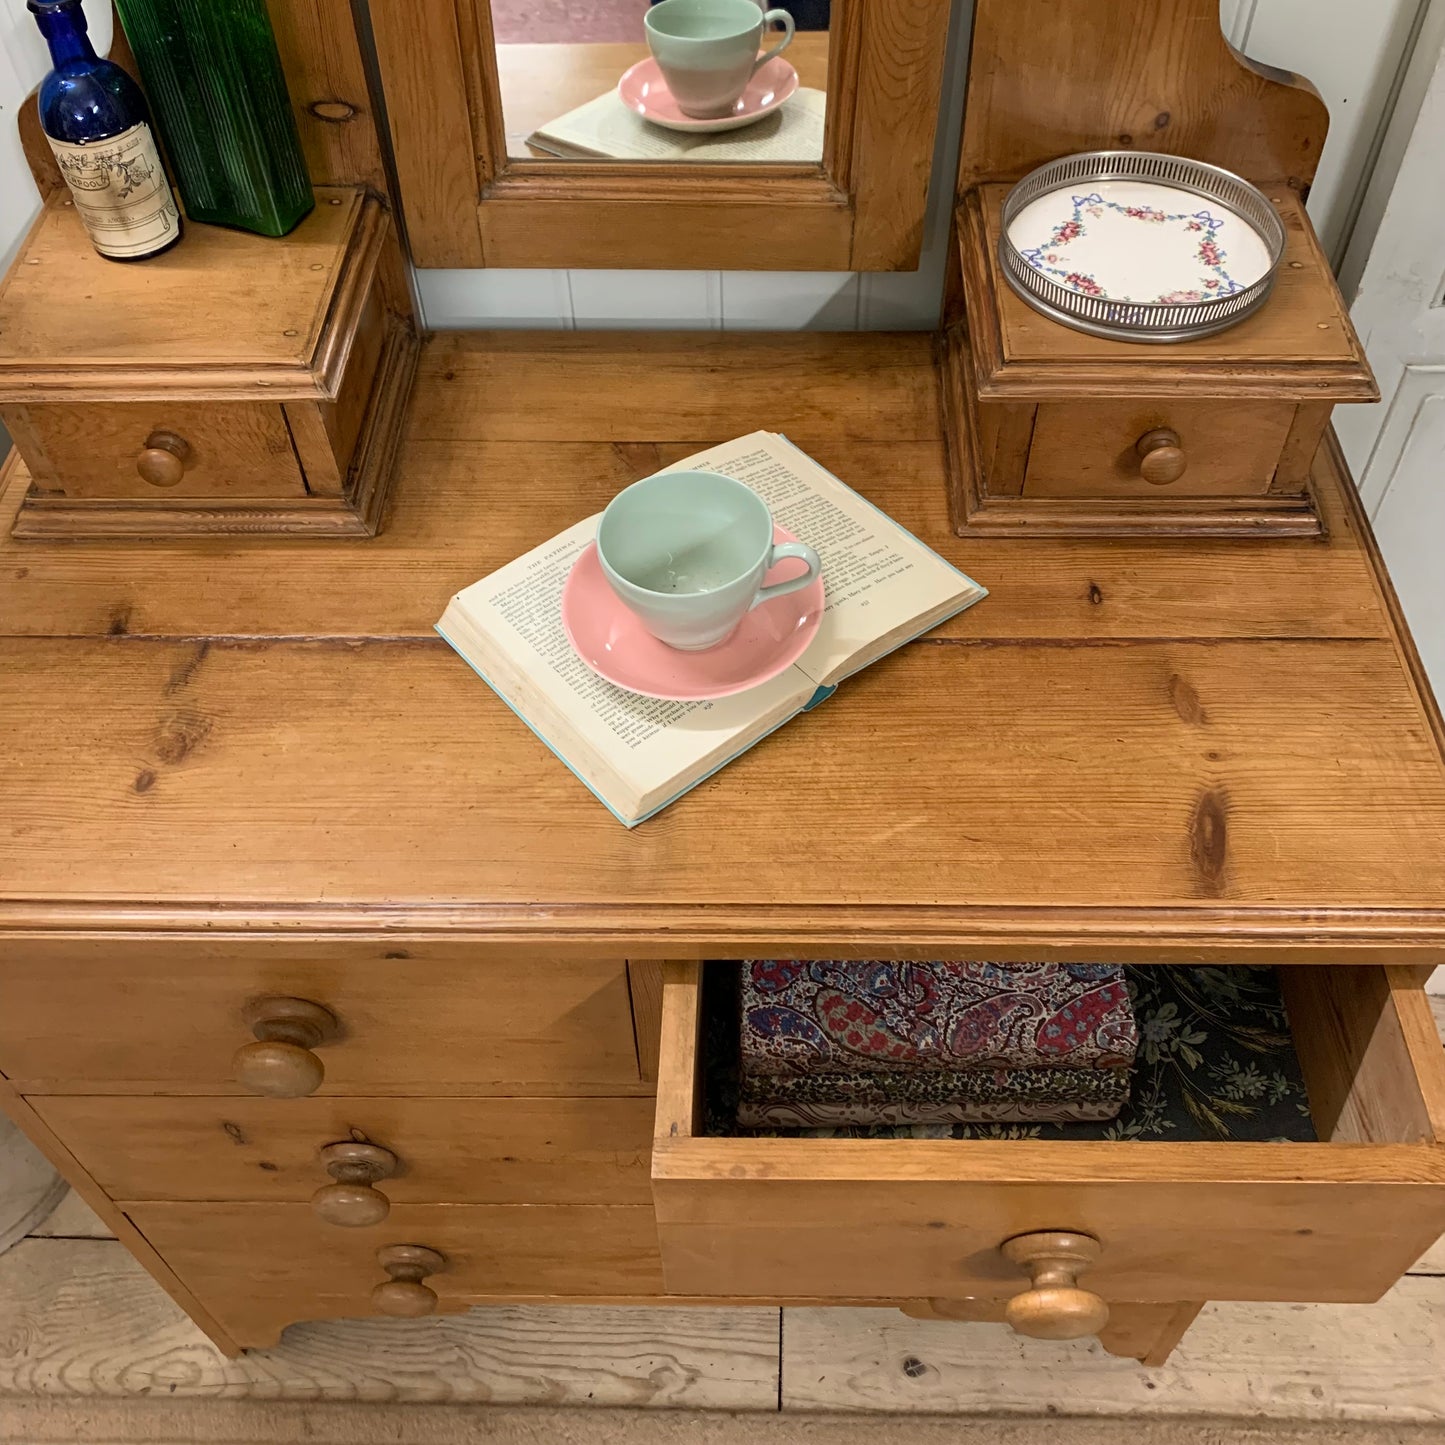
688	551
707	50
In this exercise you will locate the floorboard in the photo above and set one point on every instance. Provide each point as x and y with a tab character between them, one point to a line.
259	1422
72	1218
80	1317
1312	1362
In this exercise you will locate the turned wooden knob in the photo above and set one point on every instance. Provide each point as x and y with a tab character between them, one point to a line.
404	1294
280	1062
163	461
350	1200
1161	456
1054	1307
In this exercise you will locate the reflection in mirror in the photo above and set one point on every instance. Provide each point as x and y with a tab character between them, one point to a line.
663	80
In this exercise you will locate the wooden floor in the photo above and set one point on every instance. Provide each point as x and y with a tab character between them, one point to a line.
79	1319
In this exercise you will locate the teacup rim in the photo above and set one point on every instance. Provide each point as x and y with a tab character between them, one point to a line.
697	39
665	476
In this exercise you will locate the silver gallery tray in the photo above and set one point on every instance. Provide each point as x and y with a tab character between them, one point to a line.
1138	246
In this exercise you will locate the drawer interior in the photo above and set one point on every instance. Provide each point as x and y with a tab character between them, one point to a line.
1336	1217
1216	1060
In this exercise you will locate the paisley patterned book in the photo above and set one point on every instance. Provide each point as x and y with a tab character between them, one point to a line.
835	1016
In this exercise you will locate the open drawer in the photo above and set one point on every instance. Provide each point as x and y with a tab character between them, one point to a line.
907	1219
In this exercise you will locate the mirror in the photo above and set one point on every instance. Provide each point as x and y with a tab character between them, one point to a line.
639	81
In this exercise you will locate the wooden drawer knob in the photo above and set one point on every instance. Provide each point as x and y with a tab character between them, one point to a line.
1161	456
350	1200
1054	1307
163	461
280	1063
404	1294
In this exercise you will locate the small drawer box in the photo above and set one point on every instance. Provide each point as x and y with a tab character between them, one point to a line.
238	384
185	449
1157	448
1054	431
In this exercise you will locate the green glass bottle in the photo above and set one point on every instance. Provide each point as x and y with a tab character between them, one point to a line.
215	84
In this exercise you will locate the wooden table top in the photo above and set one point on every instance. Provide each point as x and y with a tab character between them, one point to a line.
538	83
1150	749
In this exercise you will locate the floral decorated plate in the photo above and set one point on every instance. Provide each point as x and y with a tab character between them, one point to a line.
1176	249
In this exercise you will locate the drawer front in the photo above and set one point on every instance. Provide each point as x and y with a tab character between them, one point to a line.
1225	448
168	1016
227	450
895	1218
446	1151
260	1267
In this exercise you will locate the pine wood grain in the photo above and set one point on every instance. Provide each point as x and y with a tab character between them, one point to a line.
644	980
259	316
900	76
677	387
414	1018
207	793
326	80
1088	449
1369	1054
1152	75
88	451
262	1267
452	1151
420	58
80	1319
464	508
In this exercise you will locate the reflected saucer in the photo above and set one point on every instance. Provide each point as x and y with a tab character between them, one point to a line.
644	90
612	641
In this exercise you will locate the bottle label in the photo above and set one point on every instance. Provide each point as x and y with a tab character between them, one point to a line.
120	191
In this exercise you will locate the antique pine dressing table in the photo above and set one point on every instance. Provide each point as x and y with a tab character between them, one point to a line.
263	832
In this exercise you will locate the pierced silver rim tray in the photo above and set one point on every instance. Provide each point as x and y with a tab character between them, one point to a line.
1158	321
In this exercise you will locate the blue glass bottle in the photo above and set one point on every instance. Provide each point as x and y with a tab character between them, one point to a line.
96	121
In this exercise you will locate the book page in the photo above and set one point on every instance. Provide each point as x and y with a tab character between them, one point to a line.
605	127
651	744
881	583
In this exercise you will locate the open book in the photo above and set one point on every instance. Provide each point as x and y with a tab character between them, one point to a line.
607	128
882	586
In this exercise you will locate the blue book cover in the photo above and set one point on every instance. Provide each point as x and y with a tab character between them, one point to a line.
883	588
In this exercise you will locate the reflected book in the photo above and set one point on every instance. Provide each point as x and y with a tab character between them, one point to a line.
605	129
883	587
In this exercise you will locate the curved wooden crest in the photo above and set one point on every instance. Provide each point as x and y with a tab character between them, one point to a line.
1051	77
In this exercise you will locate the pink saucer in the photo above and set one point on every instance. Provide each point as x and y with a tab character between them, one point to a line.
644	90
615	645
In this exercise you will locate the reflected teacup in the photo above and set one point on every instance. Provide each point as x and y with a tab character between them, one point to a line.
687	553
707	50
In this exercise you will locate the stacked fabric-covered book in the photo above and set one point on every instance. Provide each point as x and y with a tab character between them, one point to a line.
833	1042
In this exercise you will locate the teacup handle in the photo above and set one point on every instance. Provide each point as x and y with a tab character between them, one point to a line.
775	17
803	552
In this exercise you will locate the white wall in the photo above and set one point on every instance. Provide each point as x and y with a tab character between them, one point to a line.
23	60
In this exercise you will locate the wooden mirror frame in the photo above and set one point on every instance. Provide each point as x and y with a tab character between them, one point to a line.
466	203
